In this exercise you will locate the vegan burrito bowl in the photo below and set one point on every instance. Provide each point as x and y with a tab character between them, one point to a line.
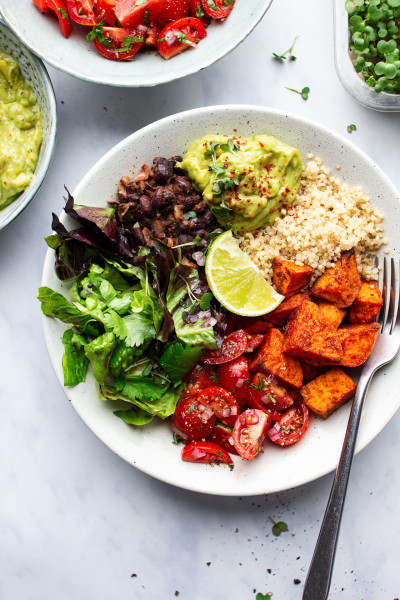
230	290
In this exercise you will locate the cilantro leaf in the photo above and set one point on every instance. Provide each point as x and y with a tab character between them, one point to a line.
177	360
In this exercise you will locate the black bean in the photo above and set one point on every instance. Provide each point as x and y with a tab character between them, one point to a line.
182	183
163	169
146	205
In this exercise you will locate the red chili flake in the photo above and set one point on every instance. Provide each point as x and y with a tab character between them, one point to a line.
261	144
235	130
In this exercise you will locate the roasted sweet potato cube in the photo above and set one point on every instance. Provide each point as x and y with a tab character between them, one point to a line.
332	314
367	303
357	343
280	315
327	392
341	283
311	372
289	278
307	336
271	359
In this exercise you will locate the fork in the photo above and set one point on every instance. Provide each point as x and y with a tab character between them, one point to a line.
386	347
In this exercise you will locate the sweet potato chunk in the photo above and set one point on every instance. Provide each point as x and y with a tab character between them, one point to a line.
281	314
357	343
311	372
309	337
367	303
288	278
332	314
327	392
341	283
270	359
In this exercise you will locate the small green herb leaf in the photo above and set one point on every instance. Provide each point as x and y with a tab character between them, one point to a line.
351	128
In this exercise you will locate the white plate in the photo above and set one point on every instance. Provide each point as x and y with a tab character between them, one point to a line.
150	448
78	58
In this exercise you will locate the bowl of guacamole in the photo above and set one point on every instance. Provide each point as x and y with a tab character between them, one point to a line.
27	125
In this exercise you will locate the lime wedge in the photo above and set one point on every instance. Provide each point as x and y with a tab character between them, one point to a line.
236	281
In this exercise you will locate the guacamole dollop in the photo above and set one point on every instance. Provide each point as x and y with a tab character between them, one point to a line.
21	131
245	181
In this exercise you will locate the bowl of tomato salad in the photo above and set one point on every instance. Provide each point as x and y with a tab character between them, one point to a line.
133	43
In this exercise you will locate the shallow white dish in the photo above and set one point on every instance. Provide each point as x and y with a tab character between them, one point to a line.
78	58
150	448
36	75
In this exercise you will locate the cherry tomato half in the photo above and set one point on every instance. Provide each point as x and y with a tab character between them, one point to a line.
249	432
291	426
198	379
59	8
196	10
218	9
222	435
171	11
135	13
221	402
205	452
267	394
234	377
81	11
106	9
116	43
234	345
192	420
253	341
179	36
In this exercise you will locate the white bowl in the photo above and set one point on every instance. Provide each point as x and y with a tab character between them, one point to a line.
149	448
78	58
34	73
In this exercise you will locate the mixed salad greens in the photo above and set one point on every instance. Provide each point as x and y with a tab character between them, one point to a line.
141	319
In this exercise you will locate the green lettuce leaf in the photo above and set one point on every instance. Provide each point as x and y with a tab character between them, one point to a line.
134	416
177	360
99	352
74	360
56	305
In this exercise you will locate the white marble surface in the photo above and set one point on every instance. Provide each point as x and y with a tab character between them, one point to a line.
76	521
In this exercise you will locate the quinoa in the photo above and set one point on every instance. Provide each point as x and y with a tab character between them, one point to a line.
327	219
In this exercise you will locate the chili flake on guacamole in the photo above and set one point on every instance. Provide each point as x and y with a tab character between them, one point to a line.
21	131
245	181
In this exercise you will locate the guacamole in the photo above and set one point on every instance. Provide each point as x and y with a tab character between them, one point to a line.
245	181
21	131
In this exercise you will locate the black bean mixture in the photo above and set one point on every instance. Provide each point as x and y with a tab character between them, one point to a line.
162	203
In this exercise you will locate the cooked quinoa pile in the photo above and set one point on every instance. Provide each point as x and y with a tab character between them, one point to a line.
327	219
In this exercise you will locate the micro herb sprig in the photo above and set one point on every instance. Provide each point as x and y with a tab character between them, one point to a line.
351	128
289	51
375	40
303	93
266	596
278	527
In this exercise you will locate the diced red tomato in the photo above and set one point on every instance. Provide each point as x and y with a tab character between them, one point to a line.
116	43
196	10
222	435
198	379
234	345
291	426
134	13
152	36
253	324
266	393
59	8
253	341
221	402
205	452
234	377
106	9
218	9
249	433
81	11
171	11
193	420
179	36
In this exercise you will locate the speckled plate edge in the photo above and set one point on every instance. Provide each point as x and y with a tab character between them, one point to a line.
149	449
47	103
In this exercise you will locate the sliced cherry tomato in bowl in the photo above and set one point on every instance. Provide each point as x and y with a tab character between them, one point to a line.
198	379
249	432
234	378
81	11
221	402
291	426
253	341
218	9
192	420
179	36
59	8
205	452
196	10
234	345
171	11
267	394
106	9
116	43
134	13
222	435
